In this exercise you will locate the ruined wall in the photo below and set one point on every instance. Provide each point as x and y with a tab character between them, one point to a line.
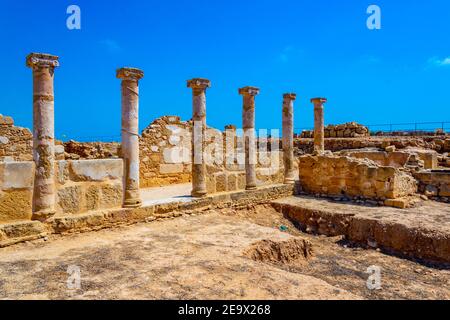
346	130
435	184
16	143
165	153
351	177
81	186
74	150
439	144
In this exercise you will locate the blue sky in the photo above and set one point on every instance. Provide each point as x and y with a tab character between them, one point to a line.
400	73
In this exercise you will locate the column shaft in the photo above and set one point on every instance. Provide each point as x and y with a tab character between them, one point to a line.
288	138
44	194
248	124
199	87
130	135
319	134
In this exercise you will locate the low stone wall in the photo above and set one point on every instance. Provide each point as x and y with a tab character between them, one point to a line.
16	143
435	184
165	153
346	130
440	144
85	185
81	186
353	178
15	232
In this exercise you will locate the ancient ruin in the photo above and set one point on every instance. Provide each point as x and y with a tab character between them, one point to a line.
390	193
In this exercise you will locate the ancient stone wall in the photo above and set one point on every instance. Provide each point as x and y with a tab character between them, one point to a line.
165	148
81	186
346	130
16	143
435	184
350	177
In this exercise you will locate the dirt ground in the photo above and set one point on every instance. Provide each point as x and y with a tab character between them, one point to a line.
202	257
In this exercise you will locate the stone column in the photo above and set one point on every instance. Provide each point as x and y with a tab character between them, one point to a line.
288	137
199	87
248	124
130	135
319	134
44	194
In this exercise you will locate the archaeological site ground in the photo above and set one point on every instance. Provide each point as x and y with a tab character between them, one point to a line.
177	208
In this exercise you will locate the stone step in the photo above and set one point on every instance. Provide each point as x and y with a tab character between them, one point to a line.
421	232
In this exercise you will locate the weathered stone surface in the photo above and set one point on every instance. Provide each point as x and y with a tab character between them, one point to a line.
16	175
69	199
351	177
15	205
111	195
96	170
171	168
12	233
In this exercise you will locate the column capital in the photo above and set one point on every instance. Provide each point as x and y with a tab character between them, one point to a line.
42	60
290	96
319	100
249	91
129	74
199	83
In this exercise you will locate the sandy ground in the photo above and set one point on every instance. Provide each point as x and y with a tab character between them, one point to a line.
201	257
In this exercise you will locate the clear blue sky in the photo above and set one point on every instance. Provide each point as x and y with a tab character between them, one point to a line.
400	73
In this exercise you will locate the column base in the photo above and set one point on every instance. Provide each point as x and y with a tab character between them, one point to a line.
249	188
199	194
42	215
132	203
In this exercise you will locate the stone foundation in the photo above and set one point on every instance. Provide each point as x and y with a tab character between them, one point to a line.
11	233
353	178
435	184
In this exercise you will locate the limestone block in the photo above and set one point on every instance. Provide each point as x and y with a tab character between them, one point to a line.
111	196
221	182
17	175
231	182
62	171
175	155
96	170
15	205
69	199
92	197
4	140
171	168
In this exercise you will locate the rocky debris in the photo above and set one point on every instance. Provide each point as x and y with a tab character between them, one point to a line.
346	130
390	149
291	251
91	150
